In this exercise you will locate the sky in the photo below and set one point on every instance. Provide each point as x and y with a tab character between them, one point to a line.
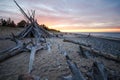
68	15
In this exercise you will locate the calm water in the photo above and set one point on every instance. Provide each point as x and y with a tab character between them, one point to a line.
105	34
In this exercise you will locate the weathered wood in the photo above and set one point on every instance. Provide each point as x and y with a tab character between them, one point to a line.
48	47
85	53
12	52
9	55
105	55
33	28
81	50
76	74
32	56
34	48
22	11
98	72
6	50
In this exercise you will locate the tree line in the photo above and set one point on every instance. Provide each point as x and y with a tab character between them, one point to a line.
22	23
11	23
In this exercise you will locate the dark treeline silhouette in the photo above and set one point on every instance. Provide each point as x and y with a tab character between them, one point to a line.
8	22
21	24
11	23
46	28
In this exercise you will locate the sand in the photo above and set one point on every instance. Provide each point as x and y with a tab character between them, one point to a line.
52	65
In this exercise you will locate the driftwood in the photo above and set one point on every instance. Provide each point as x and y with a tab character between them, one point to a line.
32	56
84	36
105	55
20	47
9	55
85	53
33	27
38	32
34	48
98	72
76	74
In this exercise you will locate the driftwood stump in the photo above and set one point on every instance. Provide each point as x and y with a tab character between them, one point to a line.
98	72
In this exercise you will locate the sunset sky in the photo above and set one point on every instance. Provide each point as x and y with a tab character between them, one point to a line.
68	15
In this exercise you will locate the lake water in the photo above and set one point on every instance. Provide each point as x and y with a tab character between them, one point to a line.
105	34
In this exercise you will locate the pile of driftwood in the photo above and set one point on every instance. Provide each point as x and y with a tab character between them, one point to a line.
87	50
36	43
98	70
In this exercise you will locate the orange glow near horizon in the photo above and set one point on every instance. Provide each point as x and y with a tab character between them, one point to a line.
67	16
76	28
92	30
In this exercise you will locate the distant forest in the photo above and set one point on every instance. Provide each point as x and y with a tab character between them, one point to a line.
21	24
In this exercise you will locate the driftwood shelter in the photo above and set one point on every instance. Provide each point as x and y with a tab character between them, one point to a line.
38	41
33	28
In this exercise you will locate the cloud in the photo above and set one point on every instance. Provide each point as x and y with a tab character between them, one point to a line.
70	14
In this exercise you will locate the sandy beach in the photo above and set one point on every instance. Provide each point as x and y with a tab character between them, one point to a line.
52	65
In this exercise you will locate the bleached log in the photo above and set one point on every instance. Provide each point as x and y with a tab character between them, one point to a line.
84	36
81	50
98	72
5	51
26	32
9	55
85	53
103	54
34	48
49	47
76	74
12	52
20	46
23	12
32	56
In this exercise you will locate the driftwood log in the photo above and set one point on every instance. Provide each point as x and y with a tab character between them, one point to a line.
76	74
20	47
85	53
105	55
98	72
34	48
